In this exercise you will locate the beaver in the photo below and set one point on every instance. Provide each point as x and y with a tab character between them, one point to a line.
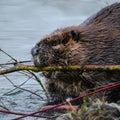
96	41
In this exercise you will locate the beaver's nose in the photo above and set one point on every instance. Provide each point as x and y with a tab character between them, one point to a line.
35	51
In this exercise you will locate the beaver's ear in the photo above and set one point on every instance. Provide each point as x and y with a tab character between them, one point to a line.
74	35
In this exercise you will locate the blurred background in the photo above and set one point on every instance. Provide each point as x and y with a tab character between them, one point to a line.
25	22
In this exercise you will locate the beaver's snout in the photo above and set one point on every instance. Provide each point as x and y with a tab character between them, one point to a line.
35	50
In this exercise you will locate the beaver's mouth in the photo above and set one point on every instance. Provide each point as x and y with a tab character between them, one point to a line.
39	62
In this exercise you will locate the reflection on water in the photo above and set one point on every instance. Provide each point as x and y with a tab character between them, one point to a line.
24	22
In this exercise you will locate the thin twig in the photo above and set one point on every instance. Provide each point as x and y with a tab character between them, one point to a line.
28	91
13	85
13	63
8	55
3	105
39	81
19	87
18	113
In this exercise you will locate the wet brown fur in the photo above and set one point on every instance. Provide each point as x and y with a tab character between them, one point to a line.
96	41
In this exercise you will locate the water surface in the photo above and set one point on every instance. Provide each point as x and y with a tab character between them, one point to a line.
22	24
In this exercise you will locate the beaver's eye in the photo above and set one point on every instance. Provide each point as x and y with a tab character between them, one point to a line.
74	34
48	39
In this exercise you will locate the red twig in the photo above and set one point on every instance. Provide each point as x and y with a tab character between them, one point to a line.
19	113
74	99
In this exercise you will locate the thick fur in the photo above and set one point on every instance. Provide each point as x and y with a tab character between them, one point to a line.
96	41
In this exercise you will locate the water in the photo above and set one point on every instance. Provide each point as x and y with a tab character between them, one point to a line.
22	24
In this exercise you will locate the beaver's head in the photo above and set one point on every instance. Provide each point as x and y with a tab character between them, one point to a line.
61	48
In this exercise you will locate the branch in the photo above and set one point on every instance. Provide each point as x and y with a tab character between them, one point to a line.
14	63
18	113
21	67
8	55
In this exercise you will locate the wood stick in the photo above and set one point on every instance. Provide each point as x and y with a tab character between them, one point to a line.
21	67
